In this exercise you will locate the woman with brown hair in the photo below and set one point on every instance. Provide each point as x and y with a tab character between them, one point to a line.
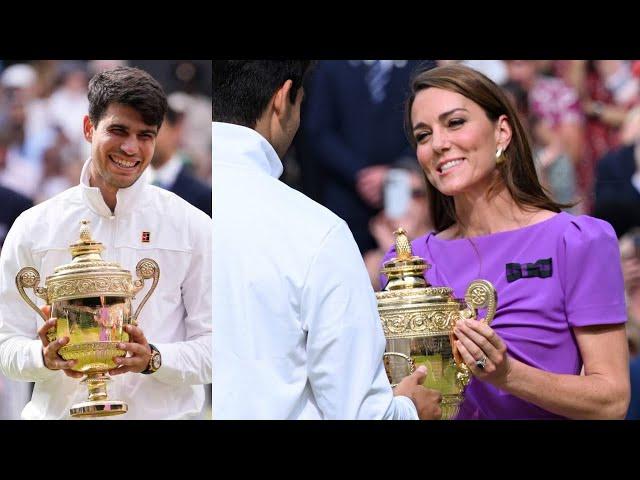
560	290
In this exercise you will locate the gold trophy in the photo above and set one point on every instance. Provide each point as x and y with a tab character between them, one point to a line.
91	299
418	322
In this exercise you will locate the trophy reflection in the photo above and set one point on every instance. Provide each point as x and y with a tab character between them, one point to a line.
91	300
418	322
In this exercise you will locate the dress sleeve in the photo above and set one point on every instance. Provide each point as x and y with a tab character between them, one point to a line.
592	274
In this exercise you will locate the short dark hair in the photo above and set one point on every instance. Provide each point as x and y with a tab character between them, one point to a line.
242	88
128	86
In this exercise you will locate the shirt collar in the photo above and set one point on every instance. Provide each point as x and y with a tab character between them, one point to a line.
241	146
127	199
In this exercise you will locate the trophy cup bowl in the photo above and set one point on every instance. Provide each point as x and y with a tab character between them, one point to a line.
418	321
91	300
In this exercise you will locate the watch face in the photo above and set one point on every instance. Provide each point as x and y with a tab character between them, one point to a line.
156	362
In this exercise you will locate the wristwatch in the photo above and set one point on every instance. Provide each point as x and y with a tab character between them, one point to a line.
155	362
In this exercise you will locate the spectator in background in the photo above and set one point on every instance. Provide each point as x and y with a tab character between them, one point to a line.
559	118
553	165
634	404
13	395
617	188
13	204
630	255
196	107
617	185
68	104
18	171
607	89
496	70
61	167
352	128
97	66
630	129
406	206
168	167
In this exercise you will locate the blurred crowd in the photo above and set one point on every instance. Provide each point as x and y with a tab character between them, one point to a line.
42	146
583	118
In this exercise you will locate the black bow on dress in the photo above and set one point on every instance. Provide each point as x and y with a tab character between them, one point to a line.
541	268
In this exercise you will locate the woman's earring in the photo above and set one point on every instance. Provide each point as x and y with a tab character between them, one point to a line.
499	157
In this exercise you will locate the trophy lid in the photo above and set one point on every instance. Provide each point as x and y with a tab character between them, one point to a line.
407	283
405	270
88	275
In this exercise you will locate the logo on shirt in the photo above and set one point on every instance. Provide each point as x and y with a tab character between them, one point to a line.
146	237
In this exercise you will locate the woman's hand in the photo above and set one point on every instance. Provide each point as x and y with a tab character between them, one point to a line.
482	350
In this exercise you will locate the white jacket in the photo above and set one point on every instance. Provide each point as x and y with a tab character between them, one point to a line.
176	318
297	332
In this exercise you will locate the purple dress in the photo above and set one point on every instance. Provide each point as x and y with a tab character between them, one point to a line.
561	273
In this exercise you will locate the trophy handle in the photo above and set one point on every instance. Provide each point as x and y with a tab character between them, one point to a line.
145	269
481	294
406	358
28	277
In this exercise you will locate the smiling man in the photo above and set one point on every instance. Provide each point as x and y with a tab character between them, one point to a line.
169	353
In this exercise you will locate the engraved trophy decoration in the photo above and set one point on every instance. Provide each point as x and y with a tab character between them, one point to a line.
418	322
91	299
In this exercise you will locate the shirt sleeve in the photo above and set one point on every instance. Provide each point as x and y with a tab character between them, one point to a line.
20	347
594	287
345	342
190	361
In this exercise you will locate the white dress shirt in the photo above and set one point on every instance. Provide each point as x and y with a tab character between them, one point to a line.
176	318
297	332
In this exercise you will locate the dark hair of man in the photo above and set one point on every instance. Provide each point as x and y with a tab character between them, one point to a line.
128	86
242	88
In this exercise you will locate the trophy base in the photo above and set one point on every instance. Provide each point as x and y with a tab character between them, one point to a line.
450	406
98	408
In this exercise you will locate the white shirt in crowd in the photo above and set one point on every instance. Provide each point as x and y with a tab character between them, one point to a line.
167	174
297	332
176	318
